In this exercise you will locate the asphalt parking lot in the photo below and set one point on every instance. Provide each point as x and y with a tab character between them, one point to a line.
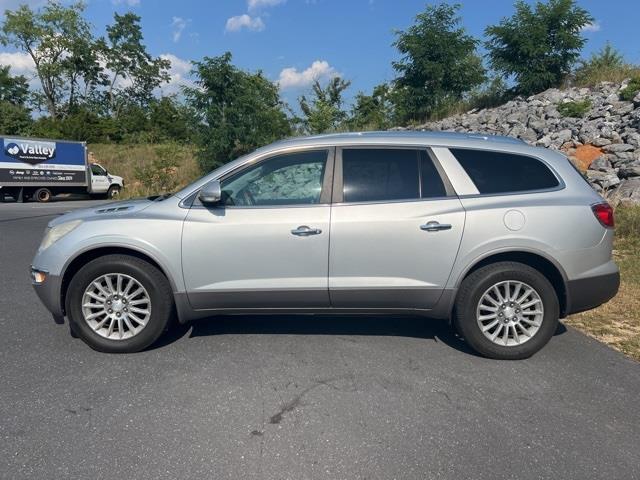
299	397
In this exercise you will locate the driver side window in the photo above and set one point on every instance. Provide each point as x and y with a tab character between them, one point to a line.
291	179
97	170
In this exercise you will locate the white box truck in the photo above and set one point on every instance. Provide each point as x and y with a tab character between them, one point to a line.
40	168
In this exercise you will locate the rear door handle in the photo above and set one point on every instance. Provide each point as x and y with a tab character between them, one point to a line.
304	231
434	226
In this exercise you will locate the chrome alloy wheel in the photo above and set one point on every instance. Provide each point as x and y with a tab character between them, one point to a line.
116	306
510	313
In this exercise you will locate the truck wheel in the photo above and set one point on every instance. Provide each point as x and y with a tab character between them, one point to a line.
506	311
113	192
42	195
119	304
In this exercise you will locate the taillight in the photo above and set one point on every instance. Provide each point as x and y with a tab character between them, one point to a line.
604	214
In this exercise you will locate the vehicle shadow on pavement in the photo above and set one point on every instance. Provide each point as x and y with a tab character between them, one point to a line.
356	325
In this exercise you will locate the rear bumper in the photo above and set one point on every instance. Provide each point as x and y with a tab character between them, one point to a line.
49	293
587	293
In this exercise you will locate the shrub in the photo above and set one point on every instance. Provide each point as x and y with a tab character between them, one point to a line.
606	65
574	109
494	93
631	90
160	175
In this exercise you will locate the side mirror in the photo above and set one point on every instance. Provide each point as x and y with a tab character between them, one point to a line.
211	193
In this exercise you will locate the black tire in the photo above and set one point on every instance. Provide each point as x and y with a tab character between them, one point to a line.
113	192
152	279
42	195
473	288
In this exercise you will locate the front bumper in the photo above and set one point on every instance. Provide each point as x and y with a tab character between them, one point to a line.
587	293
49	291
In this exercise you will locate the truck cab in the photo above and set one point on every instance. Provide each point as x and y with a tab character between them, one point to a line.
104	183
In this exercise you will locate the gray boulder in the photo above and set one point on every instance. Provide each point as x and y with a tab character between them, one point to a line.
628	192
629	170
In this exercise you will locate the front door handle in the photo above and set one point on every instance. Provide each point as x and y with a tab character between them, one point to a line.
434	226
304	231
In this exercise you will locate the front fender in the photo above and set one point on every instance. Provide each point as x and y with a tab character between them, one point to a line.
172	270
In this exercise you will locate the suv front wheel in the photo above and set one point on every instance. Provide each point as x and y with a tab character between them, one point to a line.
119	304
506	310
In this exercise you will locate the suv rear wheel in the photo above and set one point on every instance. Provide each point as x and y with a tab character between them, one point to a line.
119	304
506	310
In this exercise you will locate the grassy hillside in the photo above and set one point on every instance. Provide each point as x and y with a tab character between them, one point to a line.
616	323
126	160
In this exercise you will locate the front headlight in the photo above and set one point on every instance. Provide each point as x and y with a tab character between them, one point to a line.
54	234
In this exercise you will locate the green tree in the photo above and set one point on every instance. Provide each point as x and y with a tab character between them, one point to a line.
134	72
538	46
132	121
13	89
372	112
15	118
84	72
164	119
82	124
438	63
169	120
235	111
324	112
50	36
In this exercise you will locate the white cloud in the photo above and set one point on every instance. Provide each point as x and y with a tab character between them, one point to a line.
250	20
291	77
591	27
178	24
129	3
239	22
20	63
178	74
254	5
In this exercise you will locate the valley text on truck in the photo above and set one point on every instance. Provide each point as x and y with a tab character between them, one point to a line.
40	168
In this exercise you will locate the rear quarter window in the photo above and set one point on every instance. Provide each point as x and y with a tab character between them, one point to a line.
500	172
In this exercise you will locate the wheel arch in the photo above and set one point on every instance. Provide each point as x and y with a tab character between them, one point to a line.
77	262
546	266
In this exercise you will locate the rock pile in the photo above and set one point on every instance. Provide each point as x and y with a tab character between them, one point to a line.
604	143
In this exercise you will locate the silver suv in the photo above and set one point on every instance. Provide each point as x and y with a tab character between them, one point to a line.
497	236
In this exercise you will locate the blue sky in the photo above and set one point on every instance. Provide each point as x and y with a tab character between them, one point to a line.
294	41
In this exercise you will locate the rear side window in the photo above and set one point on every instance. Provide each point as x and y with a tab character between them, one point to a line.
387	174
499	172
432	184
